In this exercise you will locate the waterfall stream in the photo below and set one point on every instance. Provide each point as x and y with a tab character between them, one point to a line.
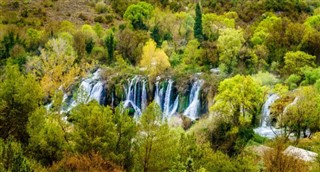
265	119
192	110
136	96
266	129
91	88
164	100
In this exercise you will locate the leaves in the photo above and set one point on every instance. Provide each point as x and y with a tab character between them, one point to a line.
154	59
238	98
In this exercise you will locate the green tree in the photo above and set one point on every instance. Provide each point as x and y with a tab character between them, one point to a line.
212	23
110	44
94	130
126	131
192	56
138	14
12	158
304	113
7	44
19	96
130	44
295	61
48	136
198	33
238	99
156	144
229	44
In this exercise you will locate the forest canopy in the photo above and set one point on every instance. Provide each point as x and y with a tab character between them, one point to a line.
158	85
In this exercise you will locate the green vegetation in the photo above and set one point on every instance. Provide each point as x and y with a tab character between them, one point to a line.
242	49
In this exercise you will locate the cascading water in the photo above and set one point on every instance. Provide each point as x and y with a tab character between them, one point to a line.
266	129
265	120
164	100
135	96
194	102
91	88
144	96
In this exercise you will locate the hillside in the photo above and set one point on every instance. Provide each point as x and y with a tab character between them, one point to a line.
159	85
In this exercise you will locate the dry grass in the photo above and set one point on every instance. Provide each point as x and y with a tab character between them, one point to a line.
88	162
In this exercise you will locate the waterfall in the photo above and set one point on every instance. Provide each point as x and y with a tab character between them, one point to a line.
175	106
266	110
167	99
194	102
91	88
144	96
164	100
135	96
156	94
266	129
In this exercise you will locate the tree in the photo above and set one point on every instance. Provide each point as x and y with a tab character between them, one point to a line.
156	144
126	131
313	22
154	59
198	24
12	158
192	56
130	44
7	44
48	136
238	99
110	44
19	96
229	44
94	130
295	61
303	113
212	23
56	66
138	14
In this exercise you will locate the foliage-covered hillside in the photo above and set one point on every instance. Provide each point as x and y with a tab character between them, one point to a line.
237	51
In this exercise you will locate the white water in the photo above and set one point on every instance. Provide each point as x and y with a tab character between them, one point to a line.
91	88
164	100
136	97
144	96
131	92
192	110
167	99
265	120
266	129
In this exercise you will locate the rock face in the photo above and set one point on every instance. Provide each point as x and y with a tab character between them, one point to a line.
302	154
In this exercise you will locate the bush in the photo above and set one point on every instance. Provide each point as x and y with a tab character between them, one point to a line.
99	19
88	162
292	81
101	7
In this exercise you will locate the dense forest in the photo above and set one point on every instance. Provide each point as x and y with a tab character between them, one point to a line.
159	85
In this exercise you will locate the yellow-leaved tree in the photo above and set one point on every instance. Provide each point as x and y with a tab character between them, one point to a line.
154	59
56	67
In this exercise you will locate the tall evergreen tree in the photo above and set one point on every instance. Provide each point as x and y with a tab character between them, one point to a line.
198	24
110	44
